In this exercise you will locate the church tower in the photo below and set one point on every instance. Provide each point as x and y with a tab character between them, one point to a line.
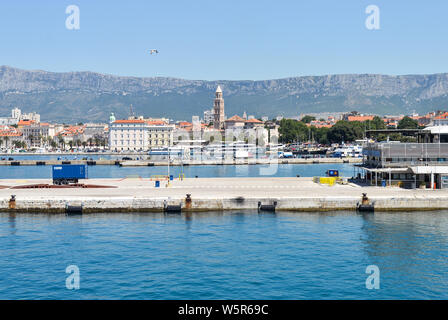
218	108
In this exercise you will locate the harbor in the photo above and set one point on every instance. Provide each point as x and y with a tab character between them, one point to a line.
210	194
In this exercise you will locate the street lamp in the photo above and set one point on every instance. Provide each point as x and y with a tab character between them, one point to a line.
169	159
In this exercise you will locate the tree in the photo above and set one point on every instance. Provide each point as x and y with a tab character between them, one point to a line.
320	134
345	131
292	130
407	123
53	143
308	119
376	124
61	142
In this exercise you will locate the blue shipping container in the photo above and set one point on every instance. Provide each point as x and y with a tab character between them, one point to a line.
70	171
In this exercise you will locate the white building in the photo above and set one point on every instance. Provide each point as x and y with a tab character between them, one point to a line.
139	135
5	121
126	135
16	113
160	135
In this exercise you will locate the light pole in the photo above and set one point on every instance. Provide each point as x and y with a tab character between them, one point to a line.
169	158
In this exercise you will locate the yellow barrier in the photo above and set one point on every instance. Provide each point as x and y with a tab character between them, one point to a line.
327	180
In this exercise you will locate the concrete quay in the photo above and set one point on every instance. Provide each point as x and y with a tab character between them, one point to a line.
213	194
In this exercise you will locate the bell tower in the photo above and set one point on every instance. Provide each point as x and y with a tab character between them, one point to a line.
218	108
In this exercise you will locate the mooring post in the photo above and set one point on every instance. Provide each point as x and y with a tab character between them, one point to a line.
12	202
188	201
365	199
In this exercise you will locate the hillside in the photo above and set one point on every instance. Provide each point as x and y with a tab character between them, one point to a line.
89	96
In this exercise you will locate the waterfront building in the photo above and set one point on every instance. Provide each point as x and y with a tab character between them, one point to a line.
139	134
411	165
253	123
8	136
8	121
95	131
17	116
32	116
160	135
218	108
128	135
234	122
34	134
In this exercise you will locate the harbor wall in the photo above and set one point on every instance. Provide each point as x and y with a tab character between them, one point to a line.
314	204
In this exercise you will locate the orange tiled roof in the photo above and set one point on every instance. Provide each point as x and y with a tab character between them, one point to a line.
254	121
360	118
130	121
235	118
25	122
442	116
10	134
156	122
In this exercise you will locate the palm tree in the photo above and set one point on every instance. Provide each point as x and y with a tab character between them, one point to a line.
30	139
61	142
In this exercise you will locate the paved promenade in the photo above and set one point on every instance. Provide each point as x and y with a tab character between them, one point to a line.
300	194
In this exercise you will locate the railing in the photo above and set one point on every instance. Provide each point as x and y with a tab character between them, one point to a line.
407	154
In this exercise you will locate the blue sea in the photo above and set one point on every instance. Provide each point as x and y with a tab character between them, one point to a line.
100	171
234	255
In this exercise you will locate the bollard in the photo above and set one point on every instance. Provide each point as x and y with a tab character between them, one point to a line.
12	202
365	199
188	201
365	205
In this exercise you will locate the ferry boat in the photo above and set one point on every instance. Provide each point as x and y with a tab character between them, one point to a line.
165	152
348	152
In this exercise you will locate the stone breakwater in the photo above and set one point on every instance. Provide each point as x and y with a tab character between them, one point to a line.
212	194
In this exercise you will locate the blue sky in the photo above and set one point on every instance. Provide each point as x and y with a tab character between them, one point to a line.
216	40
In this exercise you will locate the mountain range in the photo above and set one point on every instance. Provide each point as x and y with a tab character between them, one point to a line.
88	96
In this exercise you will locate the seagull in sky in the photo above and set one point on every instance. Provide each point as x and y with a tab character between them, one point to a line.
153	51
